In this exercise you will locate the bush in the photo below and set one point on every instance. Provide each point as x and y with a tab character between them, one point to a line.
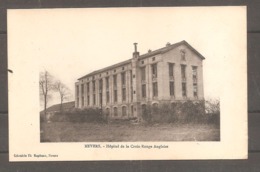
213	111
177	112
79	116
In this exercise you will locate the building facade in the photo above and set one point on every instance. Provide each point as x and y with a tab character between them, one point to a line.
169	74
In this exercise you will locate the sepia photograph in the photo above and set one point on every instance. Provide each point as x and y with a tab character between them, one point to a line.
155	96
137	78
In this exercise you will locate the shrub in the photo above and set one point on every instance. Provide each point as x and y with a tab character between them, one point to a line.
78	116
212	107
177	112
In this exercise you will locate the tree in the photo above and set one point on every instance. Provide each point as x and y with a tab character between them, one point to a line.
63	91
46	85
212	106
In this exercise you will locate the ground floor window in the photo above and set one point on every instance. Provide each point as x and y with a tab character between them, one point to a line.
115	111
132	110
155	108
107	112
124	110
144	109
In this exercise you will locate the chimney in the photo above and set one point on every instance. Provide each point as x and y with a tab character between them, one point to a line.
135	53
168	44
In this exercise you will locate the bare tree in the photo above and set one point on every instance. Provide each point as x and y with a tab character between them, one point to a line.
212	106
46	85
63	91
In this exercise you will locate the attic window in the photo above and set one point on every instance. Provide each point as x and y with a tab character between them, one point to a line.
183	54
153	58
107	73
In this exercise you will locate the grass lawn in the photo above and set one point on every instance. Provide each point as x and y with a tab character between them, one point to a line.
116	132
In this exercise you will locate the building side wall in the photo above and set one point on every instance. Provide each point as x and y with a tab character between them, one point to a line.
191	59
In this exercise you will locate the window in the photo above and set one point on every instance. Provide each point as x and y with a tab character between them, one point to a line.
171	88
123	78
155	89
155	108
171	69
124	111
142	62
115	81
132	110
123	68
153	58
87	87
107	83
195	90
82	101
94	86
132	95
100	98
183	72
183	54
88	100
144	111
77	90
184	92
143	74
101	84
94	99
154	70
107	96
143	90
82	89
115	95
123	94
107	112
131	77
77	102
194	73
115	111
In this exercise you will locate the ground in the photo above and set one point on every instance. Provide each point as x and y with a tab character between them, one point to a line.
117	132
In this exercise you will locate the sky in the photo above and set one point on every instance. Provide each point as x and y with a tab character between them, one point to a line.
69	43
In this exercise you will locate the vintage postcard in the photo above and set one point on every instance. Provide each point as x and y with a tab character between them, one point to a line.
127	83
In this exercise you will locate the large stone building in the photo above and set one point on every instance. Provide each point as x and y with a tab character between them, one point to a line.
172	73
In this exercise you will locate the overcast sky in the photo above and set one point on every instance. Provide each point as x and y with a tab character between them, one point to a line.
73	42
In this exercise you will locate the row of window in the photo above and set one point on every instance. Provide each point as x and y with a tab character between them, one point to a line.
143	77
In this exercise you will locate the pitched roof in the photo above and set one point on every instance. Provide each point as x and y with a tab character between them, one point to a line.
168	48
65	106
149	54
106	68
